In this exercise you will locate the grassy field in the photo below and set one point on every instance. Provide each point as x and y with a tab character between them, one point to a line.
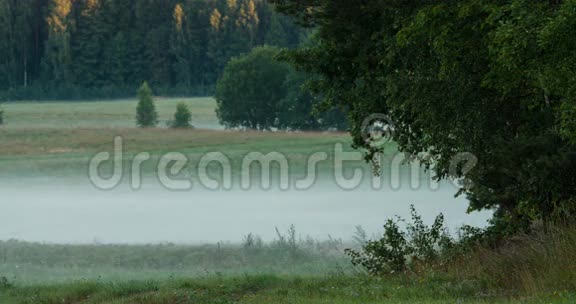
530	269
29	264
67	152
30	142
102	114
58	139
266	289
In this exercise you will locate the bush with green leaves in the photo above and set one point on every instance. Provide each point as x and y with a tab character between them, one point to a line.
146	115
1	116
5	283
182	117
398	247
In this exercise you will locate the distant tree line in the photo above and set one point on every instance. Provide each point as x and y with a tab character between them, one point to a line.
107	48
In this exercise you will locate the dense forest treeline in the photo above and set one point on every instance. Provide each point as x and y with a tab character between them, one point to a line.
106	48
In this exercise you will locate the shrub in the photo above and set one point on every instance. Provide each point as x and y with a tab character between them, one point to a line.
1	116
146	115
182	117
398	247
4	283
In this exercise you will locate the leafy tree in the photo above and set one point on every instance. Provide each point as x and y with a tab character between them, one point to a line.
295	110
146	115
260	92
301	110
249	92
492	78
182	117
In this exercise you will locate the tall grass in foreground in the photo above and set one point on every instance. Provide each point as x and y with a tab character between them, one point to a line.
540	263
290	269
289	254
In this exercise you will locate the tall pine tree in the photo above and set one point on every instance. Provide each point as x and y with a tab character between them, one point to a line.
58	57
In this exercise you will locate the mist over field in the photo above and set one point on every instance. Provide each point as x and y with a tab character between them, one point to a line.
61	212
287	152
49	197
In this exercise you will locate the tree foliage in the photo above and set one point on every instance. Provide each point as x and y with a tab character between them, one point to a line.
492	78
260	92
250	90
87	48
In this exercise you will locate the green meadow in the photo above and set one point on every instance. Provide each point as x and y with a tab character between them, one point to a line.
326	152
265	289
100	114
58	139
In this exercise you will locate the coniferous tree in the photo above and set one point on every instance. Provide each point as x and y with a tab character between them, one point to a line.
104	48
182	117
87	44
117	60
198	31
15	42
58	58
179	47
146	115
275	34
216	51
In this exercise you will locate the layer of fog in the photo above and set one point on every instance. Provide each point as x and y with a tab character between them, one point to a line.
62	212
